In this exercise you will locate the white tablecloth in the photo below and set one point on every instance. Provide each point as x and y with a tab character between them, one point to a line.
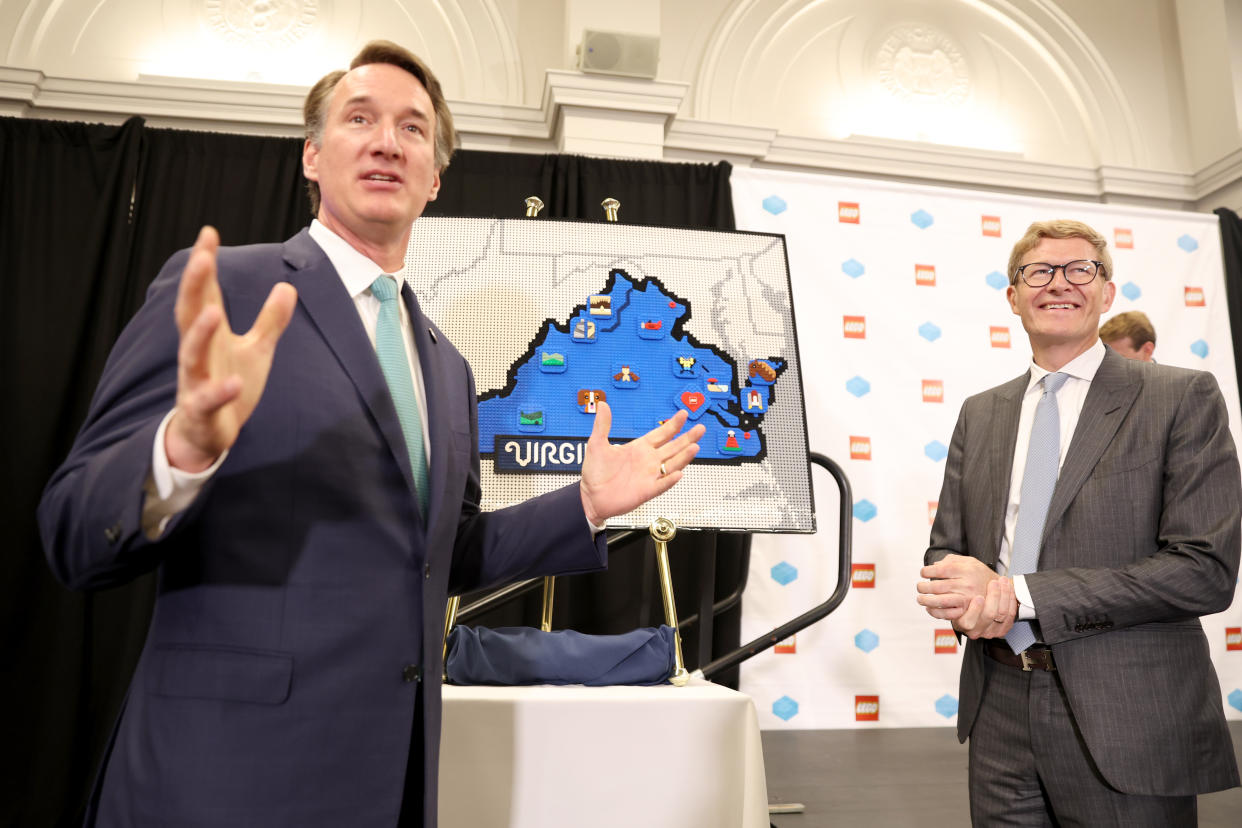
540	757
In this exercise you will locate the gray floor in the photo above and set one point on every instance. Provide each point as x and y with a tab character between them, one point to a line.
889	778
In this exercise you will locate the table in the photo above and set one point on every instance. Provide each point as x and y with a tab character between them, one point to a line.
541	757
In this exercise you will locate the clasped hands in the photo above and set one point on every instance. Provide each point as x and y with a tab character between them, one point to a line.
964	591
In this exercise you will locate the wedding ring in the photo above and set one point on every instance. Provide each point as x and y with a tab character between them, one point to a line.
663	471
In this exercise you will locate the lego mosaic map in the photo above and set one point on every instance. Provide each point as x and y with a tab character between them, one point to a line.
557	316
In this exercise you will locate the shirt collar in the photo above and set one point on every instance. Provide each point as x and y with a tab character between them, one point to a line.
1081	367
355	269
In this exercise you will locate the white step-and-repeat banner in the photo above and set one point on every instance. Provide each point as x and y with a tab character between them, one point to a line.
899	302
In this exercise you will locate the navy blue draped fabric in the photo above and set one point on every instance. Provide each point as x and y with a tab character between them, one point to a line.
523	655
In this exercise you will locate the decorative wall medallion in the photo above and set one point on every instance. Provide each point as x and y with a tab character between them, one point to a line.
262	22
917	62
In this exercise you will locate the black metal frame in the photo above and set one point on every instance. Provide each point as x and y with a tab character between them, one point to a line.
844	558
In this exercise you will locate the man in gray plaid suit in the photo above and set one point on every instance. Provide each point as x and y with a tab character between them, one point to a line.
1087	692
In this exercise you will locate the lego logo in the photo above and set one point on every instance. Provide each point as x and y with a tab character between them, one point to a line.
855	326
991	225
848	211
787	647
1233	638
862	576
1123	238
925	275
1194	297
933	391
866	708
933	506
946	642
860	448
999	336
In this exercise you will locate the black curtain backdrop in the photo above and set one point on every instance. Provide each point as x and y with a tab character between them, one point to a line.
88	214
1231	249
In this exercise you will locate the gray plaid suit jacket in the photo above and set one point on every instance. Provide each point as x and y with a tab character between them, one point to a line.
1142	538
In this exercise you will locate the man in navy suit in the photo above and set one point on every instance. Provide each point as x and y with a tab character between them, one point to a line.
290	674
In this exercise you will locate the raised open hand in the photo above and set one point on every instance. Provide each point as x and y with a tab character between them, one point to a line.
619	478
220	375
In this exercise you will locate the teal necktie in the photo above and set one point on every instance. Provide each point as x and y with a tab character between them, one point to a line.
390	347
1039	478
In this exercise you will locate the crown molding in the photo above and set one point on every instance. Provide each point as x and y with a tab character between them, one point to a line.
277	110
1221	174
611	92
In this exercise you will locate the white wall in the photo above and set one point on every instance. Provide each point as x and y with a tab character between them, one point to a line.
1105	100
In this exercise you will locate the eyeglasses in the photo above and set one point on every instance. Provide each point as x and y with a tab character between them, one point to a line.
1077	272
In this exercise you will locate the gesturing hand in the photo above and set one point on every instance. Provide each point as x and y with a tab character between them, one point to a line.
618	479
220	375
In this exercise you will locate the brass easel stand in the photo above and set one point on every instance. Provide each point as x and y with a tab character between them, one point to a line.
664	530
549	586
450	618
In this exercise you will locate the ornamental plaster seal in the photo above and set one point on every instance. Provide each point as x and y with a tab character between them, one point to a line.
918	62
269	23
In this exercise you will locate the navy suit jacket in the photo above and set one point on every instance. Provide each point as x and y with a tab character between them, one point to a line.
301	593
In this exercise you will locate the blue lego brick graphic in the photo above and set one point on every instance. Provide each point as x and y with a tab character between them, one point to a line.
866	641
1235	699
784	573
624	346
997	281
1131	291
774	205
865	510
1199	348
853	268
784	708
921	219
936	450
929	331
857	386
946	706
1188	244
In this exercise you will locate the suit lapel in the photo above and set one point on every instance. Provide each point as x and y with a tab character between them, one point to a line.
333	312
1109	399
436	388
1002	436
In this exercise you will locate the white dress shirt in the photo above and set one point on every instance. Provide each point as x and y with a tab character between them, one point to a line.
1070	398
169	490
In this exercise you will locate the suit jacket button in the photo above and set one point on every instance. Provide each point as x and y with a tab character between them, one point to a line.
411	673
113	533
426	570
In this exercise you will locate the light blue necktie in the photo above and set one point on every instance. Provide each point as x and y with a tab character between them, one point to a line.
1039	478
390	347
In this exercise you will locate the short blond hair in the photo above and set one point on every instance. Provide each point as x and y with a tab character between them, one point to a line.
1132	325
1059	229
315	107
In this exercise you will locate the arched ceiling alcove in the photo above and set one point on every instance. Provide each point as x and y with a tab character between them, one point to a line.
292	42
1015	77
